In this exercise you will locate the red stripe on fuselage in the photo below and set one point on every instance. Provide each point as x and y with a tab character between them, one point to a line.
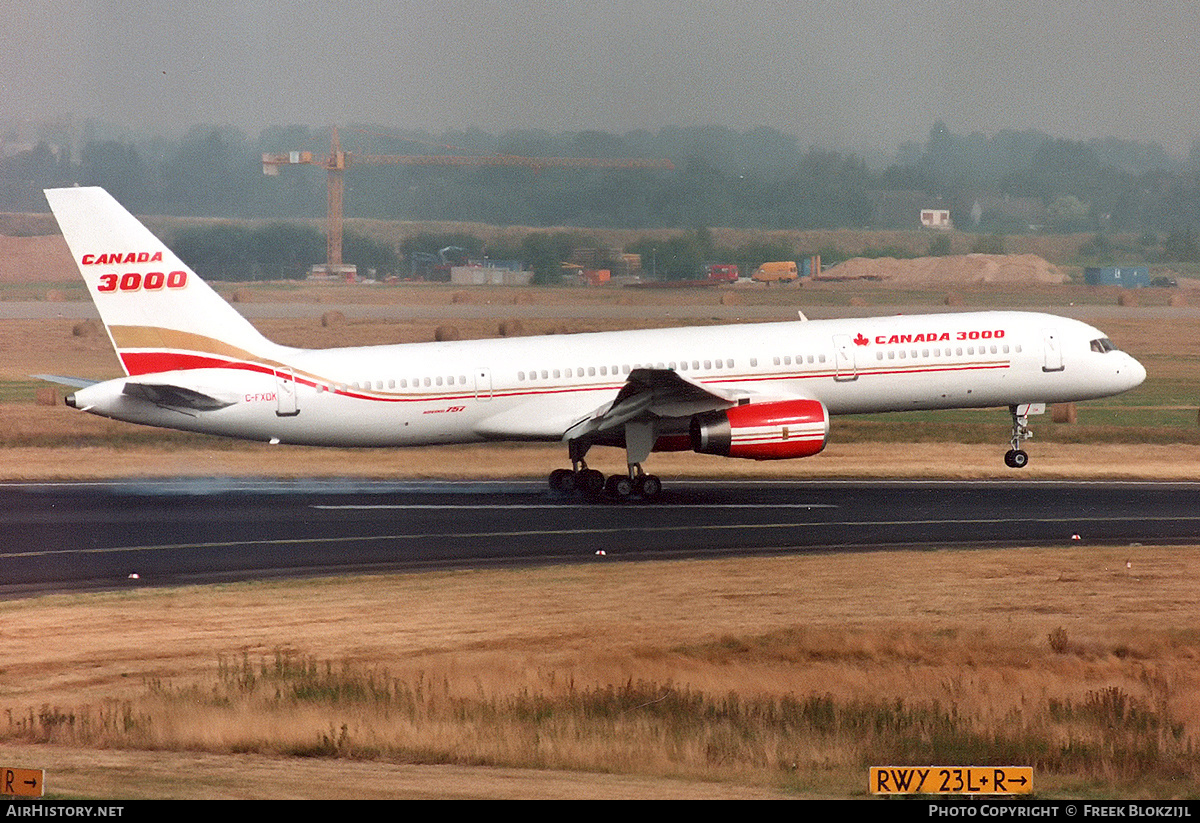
142	362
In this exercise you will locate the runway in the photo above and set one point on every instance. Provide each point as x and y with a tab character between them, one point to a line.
120	534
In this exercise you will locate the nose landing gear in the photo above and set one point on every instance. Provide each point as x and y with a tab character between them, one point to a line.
1015	457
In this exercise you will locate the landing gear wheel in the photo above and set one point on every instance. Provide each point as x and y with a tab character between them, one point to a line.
648	486
619	486
562	480
590	481
1016	459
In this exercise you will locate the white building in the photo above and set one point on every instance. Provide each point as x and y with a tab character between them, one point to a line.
936	219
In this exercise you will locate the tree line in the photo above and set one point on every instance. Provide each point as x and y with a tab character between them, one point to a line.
760	178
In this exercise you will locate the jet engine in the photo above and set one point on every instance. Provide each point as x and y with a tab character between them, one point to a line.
763	431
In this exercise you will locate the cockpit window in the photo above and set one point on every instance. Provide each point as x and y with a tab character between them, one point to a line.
1103	345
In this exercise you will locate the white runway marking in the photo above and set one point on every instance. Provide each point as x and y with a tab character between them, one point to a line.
533	533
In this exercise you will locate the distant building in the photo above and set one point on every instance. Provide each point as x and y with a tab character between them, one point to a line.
936	219
1131	277
481	276
324	271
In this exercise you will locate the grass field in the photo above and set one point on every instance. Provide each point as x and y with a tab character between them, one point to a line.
786	676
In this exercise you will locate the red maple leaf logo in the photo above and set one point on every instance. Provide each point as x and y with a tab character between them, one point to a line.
860	340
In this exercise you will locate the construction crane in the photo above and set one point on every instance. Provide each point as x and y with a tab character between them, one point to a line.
337	161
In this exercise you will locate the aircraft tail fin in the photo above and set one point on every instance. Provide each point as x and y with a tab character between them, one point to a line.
159	314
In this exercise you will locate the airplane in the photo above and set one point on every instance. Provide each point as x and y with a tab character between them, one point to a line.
760	391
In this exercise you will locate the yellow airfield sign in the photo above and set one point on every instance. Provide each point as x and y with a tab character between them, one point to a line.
21	782
991	780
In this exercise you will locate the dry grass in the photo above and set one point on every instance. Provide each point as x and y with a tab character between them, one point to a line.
1004	646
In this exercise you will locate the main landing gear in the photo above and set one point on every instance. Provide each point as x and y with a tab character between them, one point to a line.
619	486
1016	458
579	478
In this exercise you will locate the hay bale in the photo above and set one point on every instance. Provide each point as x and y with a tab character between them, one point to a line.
729	298
857	301
953	299
331	319
47	396
55	296
460	297
511	328
1177	299
1064	413
443	333
86	328
242	296
1127	298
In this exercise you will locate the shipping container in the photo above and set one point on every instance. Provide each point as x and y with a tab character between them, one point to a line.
1130	277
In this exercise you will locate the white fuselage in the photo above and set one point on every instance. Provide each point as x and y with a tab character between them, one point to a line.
536	388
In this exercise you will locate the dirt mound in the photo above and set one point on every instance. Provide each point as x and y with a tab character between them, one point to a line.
35	260
967	268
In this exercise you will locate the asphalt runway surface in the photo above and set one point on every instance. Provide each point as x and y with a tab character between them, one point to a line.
121	534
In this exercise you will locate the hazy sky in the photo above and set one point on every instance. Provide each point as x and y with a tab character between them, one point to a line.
839	74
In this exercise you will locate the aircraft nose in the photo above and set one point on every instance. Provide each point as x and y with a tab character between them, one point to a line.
1135	372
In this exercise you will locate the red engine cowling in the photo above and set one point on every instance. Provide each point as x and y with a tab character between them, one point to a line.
763	431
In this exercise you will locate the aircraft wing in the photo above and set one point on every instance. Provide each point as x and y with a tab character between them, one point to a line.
651	393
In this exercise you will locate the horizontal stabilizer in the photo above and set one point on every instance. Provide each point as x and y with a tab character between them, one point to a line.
180	397
73	382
